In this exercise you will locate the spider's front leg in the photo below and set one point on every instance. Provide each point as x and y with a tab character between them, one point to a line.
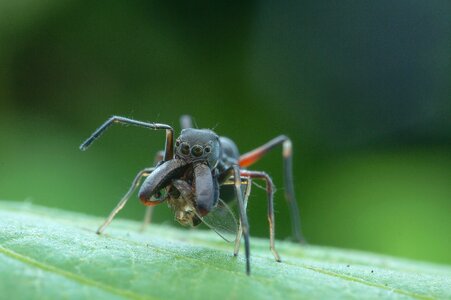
168	155
234	171
169	145
248	182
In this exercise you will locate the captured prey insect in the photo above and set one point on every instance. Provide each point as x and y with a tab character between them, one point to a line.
191	174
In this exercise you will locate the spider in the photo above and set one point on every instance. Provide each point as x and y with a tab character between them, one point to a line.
192	172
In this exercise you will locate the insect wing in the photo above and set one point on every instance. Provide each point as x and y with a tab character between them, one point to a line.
223	221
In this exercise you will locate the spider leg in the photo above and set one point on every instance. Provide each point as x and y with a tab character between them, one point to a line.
253	156
123	201
234	171
243	216
169	145
270	195
247	192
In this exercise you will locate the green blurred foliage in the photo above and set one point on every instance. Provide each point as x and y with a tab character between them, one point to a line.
363	89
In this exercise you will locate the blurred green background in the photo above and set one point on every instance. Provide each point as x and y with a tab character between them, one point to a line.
363	89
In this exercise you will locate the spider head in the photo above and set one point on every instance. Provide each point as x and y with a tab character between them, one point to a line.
198	145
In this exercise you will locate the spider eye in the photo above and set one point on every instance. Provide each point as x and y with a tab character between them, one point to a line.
197	150
207	149
177	143
184	148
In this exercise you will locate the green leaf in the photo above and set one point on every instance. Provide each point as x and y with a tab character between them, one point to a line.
53	254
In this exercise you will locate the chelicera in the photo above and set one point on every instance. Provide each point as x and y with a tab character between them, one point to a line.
192	172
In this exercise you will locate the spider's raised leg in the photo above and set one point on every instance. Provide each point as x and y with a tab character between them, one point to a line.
253	156
169	145
123	201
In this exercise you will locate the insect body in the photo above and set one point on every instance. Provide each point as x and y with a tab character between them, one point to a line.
190	175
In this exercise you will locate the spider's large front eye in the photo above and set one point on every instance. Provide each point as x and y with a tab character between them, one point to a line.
184	148
197	150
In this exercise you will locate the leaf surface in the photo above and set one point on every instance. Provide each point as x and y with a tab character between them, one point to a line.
51	254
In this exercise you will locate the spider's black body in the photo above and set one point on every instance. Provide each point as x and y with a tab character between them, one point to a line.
191	171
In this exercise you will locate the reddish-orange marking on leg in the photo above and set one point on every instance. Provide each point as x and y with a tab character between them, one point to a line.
251	157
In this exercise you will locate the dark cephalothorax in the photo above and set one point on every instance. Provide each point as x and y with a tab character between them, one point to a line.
190	176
